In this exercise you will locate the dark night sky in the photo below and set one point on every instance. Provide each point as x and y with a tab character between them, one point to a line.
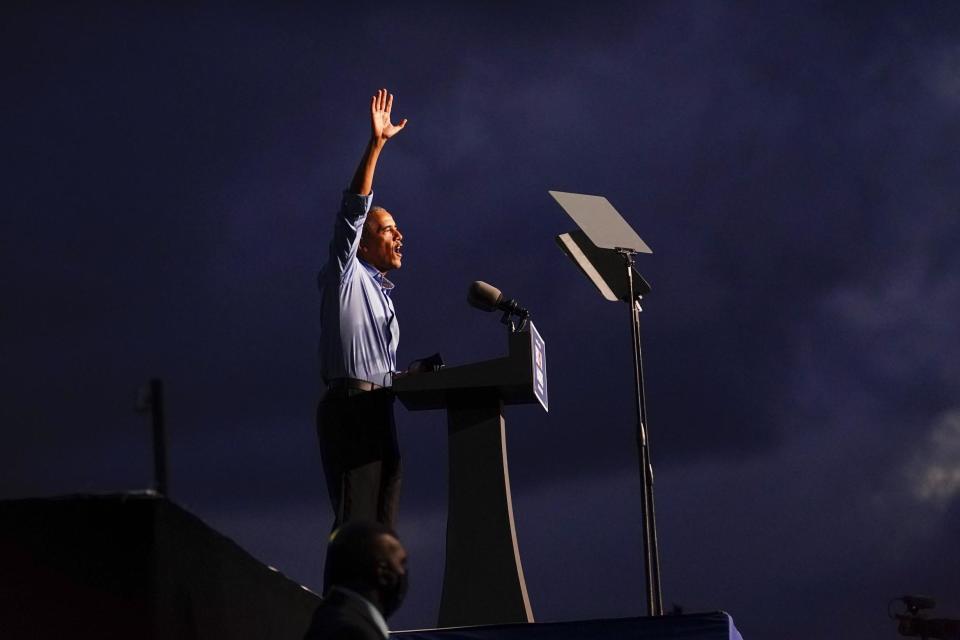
170	178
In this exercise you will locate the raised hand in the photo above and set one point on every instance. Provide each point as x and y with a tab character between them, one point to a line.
383	130
380	106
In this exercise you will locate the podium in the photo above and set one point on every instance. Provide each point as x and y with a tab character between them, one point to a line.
483	578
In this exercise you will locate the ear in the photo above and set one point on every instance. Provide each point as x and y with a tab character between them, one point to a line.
385	575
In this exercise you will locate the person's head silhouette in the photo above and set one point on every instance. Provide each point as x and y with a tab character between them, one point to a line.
368	559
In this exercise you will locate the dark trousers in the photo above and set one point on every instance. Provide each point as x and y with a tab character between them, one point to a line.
361	457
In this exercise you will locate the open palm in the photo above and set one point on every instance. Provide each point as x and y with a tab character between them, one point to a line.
380	106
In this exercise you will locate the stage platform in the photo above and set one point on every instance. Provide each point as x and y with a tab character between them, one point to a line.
696	626
136	565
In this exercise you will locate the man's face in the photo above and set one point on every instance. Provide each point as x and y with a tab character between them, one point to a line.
381	241
392	551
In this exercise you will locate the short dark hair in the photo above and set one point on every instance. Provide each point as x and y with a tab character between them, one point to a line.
352	553
364	231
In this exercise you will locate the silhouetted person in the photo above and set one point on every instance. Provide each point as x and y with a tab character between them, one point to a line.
365	580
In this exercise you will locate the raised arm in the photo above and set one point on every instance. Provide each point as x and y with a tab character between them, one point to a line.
353	209
381	131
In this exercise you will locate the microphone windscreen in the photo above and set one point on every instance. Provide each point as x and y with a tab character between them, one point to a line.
483	296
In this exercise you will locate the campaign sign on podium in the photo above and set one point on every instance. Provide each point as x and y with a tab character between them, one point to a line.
539	367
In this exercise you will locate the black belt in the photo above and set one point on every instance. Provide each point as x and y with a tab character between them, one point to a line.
352	383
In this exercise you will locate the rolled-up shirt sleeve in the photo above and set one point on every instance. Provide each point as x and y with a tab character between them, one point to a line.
347	230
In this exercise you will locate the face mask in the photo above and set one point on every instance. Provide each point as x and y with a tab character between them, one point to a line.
391	596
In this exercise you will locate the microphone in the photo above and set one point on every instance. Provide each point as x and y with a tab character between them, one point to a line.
487	297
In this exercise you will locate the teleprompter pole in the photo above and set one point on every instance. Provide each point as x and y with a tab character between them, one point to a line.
651	555
602	234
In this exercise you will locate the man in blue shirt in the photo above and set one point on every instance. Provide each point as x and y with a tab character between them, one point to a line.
358	345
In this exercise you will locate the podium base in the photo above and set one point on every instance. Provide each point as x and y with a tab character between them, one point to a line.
483	580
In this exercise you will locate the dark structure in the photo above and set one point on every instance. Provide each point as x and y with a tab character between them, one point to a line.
715	625
135	566
138	566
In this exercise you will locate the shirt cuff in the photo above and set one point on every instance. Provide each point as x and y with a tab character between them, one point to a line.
355	206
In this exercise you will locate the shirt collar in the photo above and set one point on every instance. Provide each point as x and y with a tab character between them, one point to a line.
378	277
372	610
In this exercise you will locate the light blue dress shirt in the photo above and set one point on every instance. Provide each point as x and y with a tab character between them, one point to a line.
359	332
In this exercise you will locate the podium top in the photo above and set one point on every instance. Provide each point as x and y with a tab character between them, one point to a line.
605	227
518	378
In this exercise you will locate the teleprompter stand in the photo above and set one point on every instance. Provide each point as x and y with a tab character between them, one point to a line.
483	579
604	249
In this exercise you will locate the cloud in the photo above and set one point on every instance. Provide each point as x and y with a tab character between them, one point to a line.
902	316
944	78
934	470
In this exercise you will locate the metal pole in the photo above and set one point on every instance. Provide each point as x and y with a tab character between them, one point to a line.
159	437
651	513
651	557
